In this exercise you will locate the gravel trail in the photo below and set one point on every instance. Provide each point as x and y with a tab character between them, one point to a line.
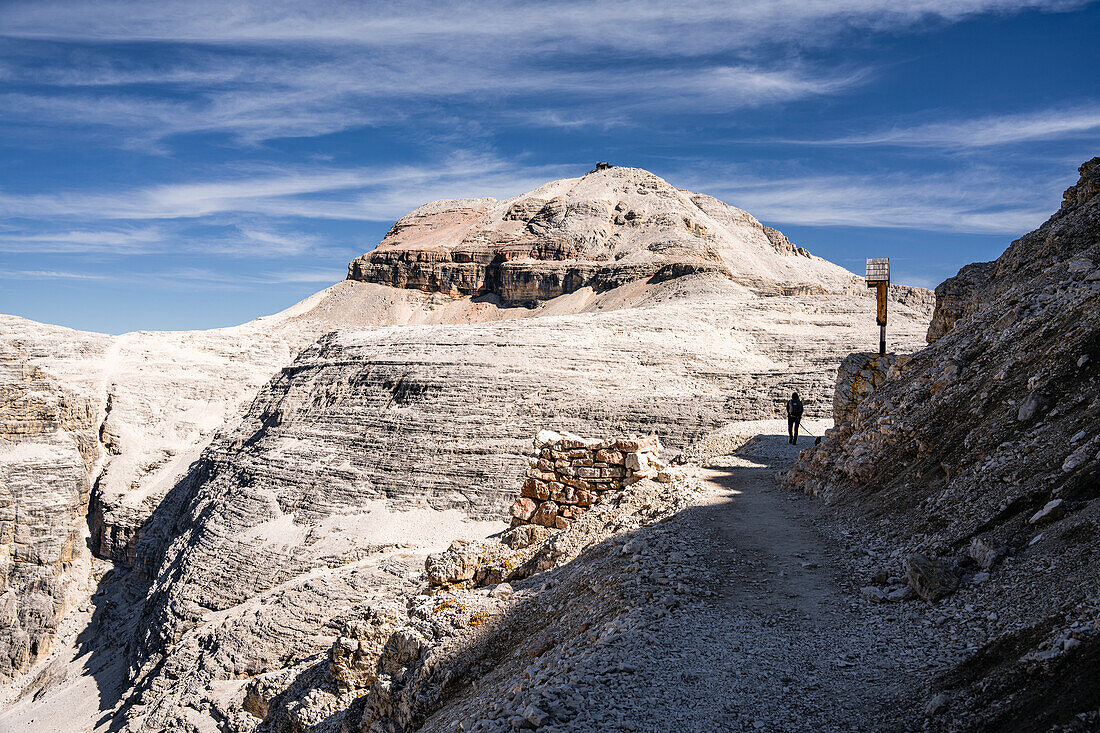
780	640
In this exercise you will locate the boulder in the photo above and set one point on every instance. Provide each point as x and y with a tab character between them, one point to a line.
857	377
637	462
1055	509
1030	407
546	513
984	554
457	563
930	578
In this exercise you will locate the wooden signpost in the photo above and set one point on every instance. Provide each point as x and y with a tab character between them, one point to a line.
878	277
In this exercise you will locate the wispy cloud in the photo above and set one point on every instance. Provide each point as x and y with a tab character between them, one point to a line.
258	71
98	241
977	200
633	24
184	278
980	132
6	274
331	98
381	193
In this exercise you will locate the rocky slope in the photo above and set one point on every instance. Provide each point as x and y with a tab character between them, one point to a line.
129	415
333	465
978	463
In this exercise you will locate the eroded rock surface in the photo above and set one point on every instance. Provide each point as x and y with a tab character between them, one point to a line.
48	451
857	377
95	430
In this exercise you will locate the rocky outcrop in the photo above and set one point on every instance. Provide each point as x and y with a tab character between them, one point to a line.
1060	238
960	296
48	449
857	377
983	454
602	230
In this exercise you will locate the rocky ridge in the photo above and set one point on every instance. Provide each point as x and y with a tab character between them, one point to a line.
977	465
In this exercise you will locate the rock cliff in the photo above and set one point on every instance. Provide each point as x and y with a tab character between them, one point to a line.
48	450
95	430
979	461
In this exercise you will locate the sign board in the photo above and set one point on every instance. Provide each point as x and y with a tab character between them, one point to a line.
878	277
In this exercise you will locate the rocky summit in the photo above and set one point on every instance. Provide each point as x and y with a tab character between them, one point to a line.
247	528
609	227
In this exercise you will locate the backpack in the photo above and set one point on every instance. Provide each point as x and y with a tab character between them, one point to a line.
795	408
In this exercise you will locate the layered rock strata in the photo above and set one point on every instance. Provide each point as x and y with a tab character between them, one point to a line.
48	450
571	473
979	461
432	423
95	430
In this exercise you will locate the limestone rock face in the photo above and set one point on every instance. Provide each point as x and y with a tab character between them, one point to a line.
372	438
48	448
1059	239
602	230
960	296
986	448
129	414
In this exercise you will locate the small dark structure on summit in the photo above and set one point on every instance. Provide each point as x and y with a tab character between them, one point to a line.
601	167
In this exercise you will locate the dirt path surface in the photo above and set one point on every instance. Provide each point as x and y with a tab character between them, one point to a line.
780	640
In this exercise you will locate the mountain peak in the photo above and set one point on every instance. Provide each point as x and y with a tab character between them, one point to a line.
607	227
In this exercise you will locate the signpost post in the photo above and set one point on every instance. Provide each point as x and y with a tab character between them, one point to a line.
878	277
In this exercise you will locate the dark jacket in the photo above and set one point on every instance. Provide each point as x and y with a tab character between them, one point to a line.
794	408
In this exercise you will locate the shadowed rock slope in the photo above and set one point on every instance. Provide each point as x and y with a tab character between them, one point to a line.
983	455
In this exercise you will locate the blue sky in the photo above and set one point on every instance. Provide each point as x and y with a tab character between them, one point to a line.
196	164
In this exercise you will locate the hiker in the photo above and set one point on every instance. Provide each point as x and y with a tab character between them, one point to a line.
794	417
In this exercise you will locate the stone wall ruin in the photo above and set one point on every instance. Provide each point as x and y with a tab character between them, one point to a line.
571	473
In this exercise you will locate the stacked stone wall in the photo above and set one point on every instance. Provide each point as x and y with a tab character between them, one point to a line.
570	473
